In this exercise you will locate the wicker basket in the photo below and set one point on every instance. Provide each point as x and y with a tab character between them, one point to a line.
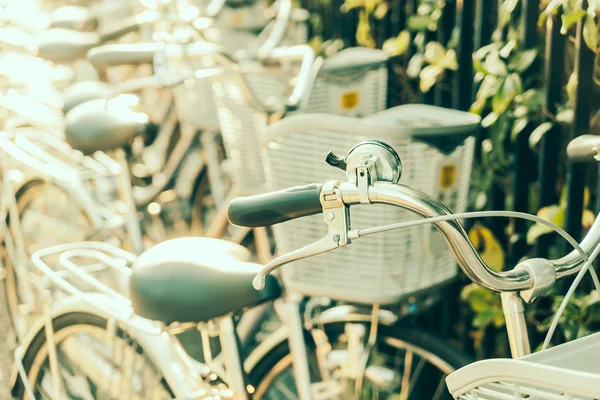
388	267
567	372
243	124
352	82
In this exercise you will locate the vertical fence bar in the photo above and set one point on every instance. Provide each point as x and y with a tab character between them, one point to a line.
522	172
463	79
584	64
485	12
549	145
397	16
443	96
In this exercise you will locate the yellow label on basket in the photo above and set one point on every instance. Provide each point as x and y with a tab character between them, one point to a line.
350	100
237	18
447	176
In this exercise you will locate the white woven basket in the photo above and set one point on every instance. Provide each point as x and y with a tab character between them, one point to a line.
242	124
383	268
352	82
357	73
569	371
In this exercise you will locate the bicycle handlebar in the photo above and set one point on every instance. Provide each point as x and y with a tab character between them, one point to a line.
275	207
112	55
284	13
260	208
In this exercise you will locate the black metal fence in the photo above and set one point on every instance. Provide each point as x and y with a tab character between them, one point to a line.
545	169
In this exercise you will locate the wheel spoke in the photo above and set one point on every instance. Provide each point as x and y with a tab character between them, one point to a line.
405	390
440	388
416	375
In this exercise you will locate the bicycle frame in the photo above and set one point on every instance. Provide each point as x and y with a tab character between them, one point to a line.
159	341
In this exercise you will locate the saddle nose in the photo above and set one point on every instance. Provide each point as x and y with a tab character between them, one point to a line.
66	45
105	125
82	92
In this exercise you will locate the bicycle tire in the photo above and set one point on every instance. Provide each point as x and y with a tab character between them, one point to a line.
23	197
418	339
64	322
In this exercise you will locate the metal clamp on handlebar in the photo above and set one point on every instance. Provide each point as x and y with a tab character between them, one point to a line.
337	217
368	162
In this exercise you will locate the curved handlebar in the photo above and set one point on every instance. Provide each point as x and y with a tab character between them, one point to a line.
112	55
307	66
467	257
278	29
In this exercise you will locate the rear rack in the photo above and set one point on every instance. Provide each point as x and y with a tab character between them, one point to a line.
43	150
99	256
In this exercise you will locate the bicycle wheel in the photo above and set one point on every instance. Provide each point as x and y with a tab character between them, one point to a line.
93	363
406	363
47	218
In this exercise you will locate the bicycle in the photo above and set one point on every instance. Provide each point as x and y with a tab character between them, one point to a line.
222	277
566	371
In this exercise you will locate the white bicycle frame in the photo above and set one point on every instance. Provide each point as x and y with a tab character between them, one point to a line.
182	373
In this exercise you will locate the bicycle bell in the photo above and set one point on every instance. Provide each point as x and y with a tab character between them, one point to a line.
380	159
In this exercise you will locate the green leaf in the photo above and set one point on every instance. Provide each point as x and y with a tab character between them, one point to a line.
508	48
520	111
398	45
449	60
518	127
550	8
485	50
489	86
489	120
565	116
508	90
478	106
429	76
480	200
434	52
418	22
572	87
522	61
538	133
381	10
555	214
488	246
478	66
568	20
533	99
494	64
590	33
414	65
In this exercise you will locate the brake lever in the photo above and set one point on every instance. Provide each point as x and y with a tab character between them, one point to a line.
337	217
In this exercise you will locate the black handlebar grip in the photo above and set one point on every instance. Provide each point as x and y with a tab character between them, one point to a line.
112	55
583	148
275	207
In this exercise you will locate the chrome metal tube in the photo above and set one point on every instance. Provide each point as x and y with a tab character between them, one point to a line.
466	256
307	55
277	33
516	326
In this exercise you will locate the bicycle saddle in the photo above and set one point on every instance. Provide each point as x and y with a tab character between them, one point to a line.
72	17
66	45
195	280
81	92
98	126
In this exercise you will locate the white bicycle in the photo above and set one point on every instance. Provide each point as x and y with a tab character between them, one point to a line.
175	282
